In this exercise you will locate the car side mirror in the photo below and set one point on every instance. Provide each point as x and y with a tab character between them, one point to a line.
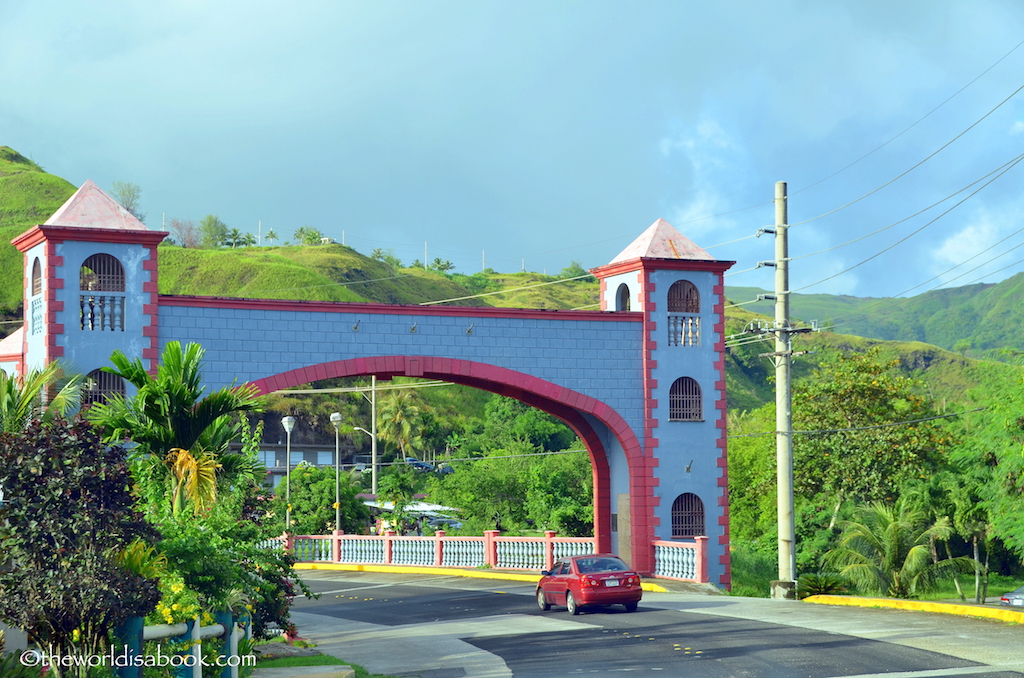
545	573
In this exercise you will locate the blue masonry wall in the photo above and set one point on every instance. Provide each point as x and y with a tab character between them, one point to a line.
598	358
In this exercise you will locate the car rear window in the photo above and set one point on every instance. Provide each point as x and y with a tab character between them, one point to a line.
597	565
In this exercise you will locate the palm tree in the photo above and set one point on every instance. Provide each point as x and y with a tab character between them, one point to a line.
180	432
885	550
169	410
25	398
398	419
270	236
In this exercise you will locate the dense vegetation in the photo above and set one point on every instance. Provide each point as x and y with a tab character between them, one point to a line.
964	469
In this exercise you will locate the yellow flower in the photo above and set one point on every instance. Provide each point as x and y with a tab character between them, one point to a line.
75	635
177	587
176	606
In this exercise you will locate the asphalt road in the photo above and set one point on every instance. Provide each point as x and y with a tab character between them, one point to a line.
449	627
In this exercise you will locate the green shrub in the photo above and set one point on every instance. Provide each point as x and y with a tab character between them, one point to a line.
820	584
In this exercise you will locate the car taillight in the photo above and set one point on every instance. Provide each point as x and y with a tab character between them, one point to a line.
591	582
633	580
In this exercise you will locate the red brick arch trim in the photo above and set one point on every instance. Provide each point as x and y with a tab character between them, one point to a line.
568	405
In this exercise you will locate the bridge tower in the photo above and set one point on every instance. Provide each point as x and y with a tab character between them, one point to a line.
90	289
679	289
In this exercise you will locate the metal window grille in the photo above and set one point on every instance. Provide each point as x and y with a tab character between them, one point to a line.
37	277
622	298
102	273
683	297
100	385
684	400
687	516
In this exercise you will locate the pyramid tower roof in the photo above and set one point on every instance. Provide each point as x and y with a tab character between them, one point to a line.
90	207
662	241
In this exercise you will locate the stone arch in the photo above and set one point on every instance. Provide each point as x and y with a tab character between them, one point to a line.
574	408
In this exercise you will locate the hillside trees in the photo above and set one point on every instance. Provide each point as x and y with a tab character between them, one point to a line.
212	232
129	195
859	440
185	232
307	235
993	450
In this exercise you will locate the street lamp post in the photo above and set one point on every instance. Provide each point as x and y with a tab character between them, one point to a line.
336	420
373	456
289	424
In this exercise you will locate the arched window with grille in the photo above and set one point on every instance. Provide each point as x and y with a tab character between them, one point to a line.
688	516
622	298
102	273
36	303
99	386
684	400
683	314
101	302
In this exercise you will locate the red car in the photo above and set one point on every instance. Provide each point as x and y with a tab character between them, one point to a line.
597	579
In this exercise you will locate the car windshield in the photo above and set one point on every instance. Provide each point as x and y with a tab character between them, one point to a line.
596	565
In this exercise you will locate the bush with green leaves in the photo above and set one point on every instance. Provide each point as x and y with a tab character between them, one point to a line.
820	584
312	498
68	516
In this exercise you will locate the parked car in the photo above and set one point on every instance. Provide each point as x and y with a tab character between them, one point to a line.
1015	598
596	579
421	466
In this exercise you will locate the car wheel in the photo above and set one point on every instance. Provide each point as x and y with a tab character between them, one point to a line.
542	602
570	603
631	607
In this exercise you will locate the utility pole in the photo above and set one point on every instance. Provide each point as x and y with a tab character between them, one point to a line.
782	330
786	585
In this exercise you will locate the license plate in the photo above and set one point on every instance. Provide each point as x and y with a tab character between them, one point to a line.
1017	601
611	582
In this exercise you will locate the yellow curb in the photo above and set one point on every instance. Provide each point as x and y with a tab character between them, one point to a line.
920	606
476	574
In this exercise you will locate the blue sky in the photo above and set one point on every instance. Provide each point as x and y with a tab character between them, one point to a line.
539	133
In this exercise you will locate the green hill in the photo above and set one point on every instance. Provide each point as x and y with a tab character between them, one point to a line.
977	320
28	196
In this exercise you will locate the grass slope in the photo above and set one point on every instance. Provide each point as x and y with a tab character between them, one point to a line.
28	196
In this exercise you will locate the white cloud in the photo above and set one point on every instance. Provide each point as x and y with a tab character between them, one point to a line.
965	256
715	160
1018	127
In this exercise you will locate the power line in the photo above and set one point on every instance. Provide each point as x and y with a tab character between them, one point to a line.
514	289
914	167
919	212
913	233
915	124
862	428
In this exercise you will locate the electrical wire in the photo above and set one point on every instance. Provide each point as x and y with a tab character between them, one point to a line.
514	289
919	212
862	428
914	167
915	124
913	233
